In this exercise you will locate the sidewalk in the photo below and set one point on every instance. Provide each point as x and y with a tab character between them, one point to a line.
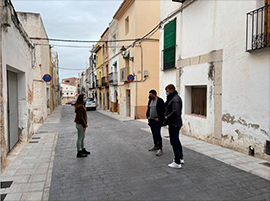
28	174
242	161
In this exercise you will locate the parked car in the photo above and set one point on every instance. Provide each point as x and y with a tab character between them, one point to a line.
91	104
68	103
73	102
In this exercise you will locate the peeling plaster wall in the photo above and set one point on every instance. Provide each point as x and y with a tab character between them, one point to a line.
238	109
33	25
17	55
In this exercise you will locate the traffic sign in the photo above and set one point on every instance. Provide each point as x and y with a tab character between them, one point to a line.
130	78
47	78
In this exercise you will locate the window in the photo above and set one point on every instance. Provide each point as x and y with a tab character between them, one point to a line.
127	25
71	93
169	45
66	87
196	100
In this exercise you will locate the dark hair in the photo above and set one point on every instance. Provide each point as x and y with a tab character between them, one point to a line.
79	101
153	92
170	87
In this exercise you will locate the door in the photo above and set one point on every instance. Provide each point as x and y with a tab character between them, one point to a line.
128	102
12	103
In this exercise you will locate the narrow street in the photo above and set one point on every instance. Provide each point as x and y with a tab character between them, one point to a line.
120	167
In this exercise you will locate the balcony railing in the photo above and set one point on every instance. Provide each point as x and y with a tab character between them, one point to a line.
98	83
258	29
104	82
113	78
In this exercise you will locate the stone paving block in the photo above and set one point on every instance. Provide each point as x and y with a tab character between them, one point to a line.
38	178
35	196
13	197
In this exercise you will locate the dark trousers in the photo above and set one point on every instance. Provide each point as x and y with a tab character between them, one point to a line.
155	128
176	144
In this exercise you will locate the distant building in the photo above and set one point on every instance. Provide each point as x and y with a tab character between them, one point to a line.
69	89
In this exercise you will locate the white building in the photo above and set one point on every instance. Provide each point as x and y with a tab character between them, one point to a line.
224	88
33	25
114	66
69	89
16	81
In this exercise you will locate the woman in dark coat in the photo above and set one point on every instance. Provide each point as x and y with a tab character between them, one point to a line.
81	124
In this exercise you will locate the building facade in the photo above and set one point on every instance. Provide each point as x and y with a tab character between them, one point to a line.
222	75
99	73
105	68
69	88
138	58
16	81
114	66
55	85
34	27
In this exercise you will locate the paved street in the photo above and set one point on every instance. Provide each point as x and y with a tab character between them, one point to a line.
120	167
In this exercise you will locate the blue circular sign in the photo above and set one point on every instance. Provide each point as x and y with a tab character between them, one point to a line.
130	78
47	78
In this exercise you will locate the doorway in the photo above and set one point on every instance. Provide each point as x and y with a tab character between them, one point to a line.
12	107
128	102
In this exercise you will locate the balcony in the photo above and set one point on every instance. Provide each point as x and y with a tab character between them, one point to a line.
258	29
98	83
113	78
105	82
124	72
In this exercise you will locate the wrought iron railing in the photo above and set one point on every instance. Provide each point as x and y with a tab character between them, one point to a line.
168	56
113	78
104	81
98	83
258	29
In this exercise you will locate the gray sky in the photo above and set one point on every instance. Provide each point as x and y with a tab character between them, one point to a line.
79	20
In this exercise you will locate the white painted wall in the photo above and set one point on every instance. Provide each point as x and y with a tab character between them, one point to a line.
17	57
205	26
113	31
33	25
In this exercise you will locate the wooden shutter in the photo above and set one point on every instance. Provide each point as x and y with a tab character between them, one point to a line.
267	23
169	45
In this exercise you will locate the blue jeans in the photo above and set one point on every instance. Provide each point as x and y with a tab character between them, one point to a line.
176	144
81	136
155	128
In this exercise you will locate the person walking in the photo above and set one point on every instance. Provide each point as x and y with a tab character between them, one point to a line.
173	118
155	116
81	124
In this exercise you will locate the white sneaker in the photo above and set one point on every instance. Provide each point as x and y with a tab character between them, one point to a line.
159	152
181	161
175	165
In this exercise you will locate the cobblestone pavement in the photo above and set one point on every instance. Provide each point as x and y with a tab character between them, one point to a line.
120	167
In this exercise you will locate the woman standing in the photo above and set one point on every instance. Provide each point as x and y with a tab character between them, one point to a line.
81	124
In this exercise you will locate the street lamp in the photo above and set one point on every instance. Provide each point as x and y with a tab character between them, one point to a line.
123	53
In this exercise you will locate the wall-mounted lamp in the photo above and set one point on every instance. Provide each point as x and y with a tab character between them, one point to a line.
125	54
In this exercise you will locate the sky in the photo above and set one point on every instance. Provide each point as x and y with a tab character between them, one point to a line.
76	20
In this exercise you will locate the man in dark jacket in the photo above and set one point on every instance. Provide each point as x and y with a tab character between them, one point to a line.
173	118
155	116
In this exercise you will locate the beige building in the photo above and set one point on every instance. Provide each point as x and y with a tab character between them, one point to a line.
141	59
34	27
105	67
